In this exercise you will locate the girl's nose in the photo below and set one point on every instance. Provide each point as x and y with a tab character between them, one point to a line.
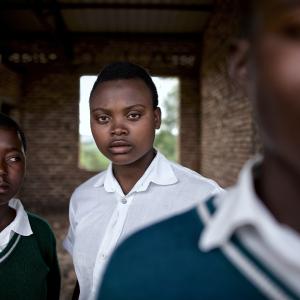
118	127
119	131
3	169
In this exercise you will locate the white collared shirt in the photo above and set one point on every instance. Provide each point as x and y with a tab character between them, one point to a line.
19	225
101	215
240	211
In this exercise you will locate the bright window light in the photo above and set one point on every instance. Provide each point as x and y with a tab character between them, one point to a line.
166	139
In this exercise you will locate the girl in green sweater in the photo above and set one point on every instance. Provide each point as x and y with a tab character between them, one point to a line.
28	261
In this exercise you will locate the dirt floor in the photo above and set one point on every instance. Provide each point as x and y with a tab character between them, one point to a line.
59	223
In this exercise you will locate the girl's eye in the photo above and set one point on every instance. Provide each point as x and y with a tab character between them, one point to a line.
14	159
133	116
103	119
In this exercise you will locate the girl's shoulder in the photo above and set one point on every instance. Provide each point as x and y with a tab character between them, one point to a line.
41	229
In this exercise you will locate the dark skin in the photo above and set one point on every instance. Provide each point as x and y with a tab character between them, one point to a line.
7	215
287	211
123	123
12	171
267	65
127	178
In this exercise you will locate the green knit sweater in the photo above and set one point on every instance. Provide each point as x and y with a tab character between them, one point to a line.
28	265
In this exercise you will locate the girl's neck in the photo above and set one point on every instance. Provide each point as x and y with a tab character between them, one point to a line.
7	215
128	175
278	185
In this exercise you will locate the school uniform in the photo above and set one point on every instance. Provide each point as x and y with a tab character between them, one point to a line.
101	215
28	262
228	247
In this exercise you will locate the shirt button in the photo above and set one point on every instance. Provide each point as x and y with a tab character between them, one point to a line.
124	201
103	257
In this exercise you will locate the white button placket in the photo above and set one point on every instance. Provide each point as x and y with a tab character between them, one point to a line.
111	237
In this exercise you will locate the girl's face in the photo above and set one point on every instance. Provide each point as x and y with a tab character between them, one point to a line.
12	164
123	120
275	79
268	65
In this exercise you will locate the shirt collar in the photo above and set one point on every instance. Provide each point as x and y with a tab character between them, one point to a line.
240	207
159	172
20	224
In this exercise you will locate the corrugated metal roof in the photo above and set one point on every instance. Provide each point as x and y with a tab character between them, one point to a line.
153	21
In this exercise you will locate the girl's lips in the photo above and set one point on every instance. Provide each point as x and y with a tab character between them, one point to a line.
120	147
4	187
117	143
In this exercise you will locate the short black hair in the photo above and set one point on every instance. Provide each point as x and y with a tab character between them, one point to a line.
126	70
8	123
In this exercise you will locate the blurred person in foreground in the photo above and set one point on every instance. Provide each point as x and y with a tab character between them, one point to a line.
244	244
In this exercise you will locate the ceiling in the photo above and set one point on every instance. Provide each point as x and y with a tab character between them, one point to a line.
82	16
62	20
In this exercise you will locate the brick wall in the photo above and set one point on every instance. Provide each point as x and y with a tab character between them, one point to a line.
189	123
10	91
50	103
228	136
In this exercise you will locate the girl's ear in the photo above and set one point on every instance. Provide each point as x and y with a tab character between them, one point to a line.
238	61
157	117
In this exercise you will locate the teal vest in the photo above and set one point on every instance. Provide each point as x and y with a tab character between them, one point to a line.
164	262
